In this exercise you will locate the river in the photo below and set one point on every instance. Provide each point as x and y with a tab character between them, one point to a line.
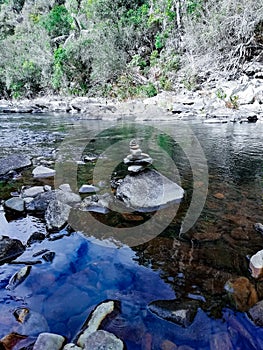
186	254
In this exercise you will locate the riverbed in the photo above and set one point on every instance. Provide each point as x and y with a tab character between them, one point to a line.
187	253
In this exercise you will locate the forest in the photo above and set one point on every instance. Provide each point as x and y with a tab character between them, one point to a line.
123	48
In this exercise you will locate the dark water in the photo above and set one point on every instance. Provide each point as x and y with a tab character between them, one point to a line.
219	166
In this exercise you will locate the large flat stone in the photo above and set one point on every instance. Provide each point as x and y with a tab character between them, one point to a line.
13	162
148	190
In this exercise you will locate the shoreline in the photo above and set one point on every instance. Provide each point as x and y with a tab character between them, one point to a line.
221	101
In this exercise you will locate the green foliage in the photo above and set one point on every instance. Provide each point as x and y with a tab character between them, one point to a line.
220	93
193	7
138	61
58	21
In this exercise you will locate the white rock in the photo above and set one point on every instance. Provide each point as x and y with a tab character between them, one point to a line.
57	214
49	341
256	264
71	346
97	317
32	191
88	189
65	188
42	172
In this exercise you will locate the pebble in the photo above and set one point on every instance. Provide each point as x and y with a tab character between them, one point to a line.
219	195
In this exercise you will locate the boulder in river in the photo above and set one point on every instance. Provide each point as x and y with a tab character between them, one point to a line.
13	162
57	214
181	313
15	204
49	341
148	191
10	249
43	172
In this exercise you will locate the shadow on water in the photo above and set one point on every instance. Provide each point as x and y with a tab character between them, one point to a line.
194	265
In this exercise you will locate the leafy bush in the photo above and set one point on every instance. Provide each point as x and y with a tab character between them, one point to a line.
58	21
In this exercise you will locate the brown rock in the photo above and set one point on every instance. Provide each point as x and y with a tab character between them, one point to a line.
168	345
243	293
10	340
219	195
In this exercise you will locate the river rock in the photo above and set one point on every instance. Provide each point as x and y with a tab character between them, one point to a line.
49	341
259	227
97	203
181	313
43	172
10	340
57	214
148	191
16	204
256	264
88	189
41	201
32	191
95	319
102	340
18	277
71	346
242	293
219	341
10	249
13	162
256	313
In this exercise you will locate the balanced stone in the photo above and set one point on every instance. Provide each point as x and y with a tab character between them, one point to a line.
136	157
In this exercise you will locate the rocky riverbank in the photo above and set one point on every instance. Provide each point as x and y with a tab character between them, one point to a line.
222	100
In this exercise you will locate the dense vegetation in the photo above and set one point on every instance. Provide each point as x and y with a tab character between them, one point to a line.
122	48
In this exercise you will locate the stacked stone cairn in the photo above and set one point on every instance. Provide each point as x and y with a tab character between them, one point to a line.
137	161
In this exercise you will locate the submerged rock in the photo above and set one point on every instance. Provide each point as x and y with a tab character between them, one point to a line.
242	292
18	277
148	191
13	162
10	249
256	313
102	340
49	341
10	340
57	214
30	322
181	313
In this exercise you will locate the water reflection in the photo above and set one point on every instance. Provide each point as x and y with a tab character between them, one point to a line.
192	266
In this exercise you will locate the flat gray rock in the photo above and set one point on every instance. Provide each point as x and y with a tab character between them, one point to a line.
49	341
148	191
43	172
33	191
16	204
13	162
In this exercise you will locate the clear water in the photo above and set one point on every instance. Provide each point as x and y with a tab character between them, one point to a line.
173	264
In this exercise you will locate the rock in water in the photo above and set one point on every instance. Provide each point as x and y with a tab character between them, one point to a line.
18	277
13	162
95	319
49	341
148	191
57	214
256	313
16	204
10	249
256	264
181	313
102	340
42	172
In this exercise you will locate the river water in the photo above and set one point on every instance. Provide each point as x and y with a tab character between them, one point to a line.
186	253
